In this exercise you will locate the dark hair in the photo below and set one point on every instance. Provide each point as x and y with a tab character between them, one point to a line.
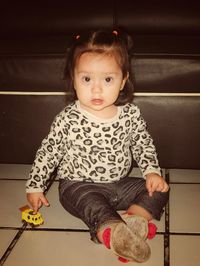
115	42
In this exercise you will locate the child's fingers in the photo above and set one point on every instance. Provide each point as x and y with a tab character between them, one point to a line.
160	187
165	188
36	205
45	201
150	193
154	186
150	188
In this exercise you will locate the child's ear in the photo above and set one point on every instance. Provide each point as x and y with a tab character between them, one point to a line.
124	81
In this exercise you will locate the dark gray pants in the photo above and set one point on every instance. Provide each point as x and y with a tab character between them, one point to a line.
97	203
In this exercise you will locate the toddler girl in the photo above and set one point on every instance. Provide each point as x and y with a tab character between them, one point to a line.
92	142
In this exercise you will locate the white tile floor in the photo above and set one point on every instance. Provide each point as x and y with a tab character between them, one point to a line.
63	240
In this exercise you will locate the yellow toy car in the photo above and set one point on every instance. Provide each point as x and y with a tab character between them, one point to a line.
28	215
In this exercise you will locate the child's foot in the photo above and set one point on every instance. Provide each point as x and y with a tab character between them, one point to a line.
137	224
140	226
124	243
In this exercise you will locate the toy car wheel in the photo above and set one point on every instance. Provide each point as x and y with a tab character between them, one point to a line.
31	224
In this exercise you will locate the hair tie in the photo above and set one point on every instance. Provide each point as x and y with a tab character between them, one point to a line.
77	37
115	32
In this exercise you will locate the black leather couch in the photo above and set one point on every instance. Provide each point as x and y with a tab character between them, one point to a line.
166	63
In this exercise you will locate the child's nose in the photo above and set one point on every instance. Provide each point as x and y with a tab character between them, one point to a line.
97	87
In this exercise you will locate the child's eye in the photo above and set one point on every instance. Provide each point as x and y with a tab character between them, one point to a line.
86	79
108	79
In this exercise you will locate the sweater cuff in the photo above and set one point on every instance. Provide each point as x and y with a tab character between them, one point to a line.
33	190
152	171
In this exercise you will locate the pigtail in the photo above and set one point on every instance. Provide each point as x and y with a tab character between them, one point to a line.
125	39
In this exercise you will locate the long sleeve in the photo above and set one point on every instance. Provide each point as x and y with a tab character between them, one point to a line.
143	149
47	157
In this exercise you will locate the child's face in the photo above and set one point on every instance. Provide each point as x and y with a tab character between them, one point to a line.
98	80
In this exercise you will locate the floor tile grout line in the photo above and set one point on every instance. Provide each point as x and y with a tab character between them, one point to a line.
46	229
12	244
87	230
167	228
184	183
183	234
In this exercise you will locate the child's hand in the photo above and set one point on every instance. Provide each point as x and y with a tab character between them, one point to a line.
37	199
155	182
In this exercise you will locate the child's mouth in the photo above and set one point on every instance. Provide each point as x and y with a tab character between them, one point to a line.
97	101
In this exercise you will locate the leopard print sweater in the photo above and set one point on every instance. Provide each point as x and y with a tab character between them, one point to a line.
85	148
